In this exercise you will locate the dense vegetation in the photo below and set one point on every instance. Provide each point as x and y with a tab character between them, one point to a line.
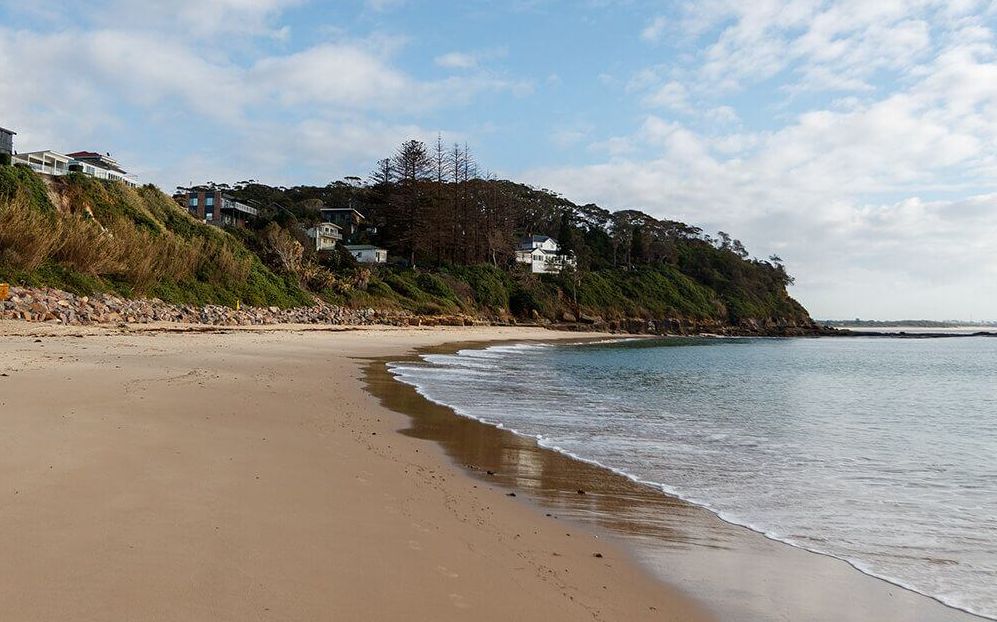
451	233
446	225
85	235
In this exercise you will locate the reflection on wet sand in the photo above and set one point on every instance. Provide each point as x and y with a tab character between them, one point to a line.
738	573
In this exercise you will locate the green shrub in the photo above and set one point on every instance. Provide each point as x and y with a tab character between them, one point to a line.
435	286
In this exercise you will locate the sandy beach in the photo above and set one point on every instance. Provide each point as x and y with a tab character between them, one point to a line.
247	475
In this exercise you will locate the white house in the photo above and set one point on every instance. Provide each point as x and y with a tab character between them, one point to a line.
325	235
364	253
101	166
86	162
47	162
543	253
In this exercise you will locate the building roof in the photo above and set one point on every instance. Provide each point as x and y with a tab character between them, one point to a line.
530	241
54	154
6	131
315	229
539	238
343	209
85	154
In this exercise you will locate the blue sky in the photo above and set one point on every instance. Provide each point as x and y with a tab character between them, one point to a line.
856	139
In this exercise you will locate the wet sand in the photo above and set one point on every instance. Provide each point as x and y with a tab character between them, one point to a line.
739	573
247	475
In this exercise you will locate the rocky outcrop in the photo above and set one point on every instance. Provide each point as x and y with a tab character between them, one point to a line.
772	327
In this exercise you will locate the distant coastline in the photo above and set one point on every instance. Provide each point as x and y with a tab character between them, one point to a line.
904	324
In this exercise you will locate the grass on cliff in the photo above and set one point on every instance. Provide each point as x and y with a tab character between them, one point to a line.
647	292
104	236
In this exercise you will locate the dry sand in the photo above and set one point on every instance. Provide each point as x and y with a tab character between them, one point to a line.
248	476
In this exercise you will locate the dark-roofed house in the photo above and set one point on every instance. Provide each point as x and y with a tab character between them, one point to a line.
215	207
347	219
6	145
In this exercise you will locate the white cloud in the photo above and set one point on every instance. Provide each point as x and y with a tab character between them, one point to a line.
193	18
671	95
457	60
829	45
337	74
653	31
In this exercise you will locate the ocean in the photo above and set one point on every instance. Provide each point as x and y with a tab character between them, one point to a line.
878	451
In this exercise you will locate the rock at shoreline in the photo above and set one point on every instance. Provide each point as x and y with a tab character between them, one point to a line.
60	307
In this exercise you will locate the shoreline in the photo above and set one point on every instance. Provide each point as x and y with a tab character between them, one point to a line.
127	516
249	475
873	597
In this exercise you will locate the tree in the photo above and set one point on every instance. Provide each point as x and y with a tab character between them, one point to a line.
637	245
281	251
411	167
566	234
382	175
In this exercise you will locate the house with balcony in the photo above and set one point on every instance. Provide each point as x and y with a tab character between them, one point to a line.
325	235
101	166
214	207
45	162
543	254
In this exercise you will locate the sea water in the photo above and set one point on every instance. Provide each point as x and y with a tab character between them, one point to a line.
879	451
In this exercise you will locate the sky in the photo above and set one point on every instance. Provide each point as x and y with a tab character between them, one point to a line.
856	139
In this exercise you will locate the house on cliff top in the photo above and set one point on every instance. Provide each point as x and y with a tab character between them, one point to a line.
543	254
6	145
48	162
325	235
101	166
212	206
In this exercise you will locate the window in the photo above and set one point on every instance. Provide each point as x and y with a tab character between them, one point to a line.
192	202
209	216
209	201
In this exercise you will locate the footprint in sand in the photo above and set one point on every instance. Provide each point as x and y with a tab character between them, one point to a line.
446	572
